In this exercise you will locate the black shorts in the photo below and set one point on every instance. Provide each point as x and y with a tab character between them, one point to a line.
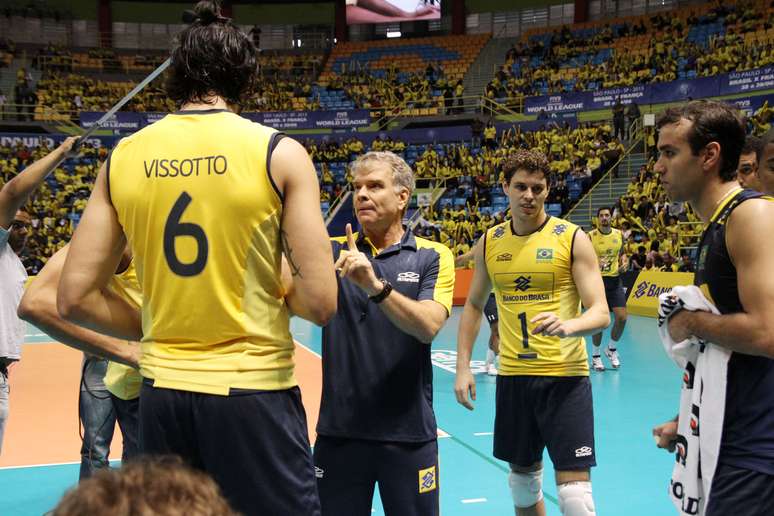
616	297
490	310
740	491
535	412
254	444
348	469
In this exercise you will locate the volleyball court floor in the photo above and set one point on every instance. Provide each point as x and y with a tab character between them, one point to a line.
41	451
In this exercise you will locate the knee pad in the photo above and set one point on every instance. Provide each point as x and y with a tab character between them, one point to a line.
526	488
575	499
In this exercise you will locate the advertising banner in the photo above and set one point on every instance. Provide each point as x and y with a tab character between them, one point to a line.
643	296
123	121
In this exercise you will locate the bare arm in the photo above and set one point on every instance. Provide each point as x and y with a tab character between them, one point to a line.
312	292
751	332
470	324
38	306
463	259
83	297
420	319
17	191
588	281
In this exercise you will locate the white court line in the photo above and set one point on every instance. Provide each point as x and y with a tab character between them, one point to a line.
36	335
479	434
474	500
40	465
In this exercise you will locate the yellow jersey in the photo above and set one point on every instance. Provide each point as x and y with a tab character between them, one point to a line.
202	216
121	380
531	274
608	248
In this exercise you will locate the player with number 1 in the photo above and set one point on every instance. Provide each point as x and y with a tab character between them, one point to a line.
208	202
541	268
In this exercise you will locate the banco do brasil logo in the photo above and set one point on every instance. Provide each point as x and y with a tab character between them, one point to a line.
522	283
646	288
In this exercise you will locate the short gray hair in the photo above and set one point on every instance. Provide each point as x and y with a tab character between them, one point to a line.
402	175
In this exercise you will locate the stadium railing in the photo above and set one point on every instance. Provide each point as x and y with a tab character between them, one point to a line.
606	181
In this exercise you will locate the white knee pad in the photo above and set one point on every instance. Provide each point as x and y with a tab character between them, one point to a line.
575	499
526	488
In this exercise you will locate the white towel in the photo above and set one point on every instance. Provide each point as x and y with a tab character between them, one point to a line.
702	403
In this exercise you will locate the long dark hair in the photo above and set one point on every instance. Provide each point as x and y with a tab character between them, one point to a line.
211	56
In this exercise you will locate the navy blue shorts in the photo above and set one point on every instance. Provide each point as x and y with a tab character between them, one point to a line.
538	412
490	310
616	297
348	469
740	491
254	444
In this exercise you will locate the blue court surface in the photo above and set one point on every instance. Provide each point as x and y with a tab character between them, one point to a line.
631	478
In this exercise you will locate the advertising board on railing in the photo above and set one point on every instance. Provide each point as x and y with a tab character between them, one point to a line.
655	93
127	122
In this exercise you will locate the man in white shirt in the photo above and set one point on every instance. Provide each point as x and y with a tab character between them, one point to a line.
14	229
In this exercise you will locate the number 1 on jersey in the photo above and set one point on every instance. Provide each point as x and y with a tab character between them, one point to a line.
525	338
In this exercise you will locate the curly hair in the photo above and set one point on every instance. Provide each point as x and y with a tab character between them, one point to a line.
529	160
211	56
146	487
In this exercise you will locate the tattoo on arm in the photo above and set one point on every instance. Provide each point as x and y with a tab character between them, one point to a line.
295	270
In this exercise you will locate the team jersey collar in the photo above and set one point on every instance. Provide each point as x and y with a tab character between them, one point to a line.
407	241
200	111
512	231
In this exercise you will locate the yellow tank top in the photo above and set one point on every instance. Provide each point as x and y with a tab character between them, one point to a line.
123	381
608	248
194	197
532	274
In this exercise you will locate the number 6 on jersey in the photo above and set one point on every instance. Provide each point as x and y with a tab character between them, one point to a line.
173	228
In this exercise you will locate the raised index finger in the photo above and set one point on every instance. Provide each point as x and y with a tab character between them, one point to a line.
351	239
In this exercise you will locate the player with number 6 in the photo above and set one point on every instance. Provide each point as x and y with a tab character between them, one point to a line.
219	387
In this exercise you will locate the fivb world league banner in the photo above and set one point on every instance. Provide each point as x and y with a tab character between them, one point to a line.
129	122
656	93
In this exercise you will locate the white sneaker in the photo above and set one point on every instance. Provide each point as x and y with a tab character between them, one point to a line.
596	363
612	355
491	370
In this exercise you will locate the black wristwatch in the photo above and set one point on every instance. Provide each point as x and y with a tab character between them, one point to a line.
381	296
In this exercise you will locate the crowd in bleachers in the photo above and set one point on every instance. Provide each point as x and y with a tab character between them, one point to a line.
688	43
424	78
657	233
58	203
469	171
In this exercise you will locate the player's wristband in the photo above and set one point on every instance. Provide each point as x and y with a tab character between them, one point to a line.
381	296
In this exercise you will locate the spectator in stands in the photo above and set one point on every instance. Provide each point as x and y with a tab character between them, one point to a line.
639	260
618	119
765	170
632	115
746	172
3	100
490	135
